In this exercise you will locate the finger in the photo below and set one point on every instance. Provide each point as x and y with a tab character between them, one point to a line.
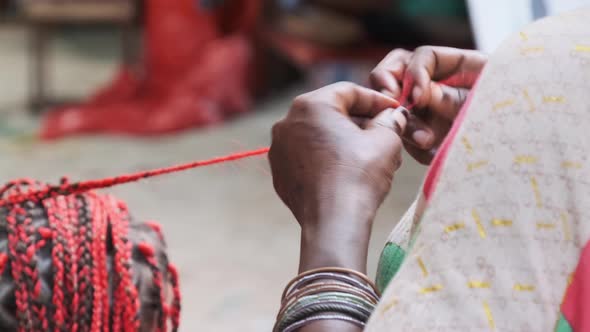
362	122
424	157
388	74
436	63
350	99
446	101
391	121
419	134
445	62
386	83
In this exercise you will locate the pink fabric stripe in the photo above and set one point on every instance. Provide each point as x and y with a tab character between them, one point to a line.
576	305
438	161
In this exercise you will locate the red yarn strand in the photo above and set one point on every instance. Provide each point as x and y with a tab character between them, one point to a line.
80	187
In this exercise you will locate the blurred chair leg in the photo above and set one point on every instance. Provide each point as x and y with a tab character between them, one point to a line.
38	67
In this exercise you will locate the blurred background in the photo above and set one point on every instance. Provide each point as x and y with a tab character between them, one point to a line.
95	88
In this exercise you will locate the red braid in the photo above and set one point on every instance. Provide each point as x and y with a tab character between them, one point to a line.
15	248
149	254
76	233
100	314
126	299
175	309
84	240
61	256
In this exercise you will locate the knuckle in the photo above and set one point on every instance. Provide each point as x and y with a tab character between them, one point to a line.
398	161
375	73
301	102
423	49
376	77
344	85
276	129
398	52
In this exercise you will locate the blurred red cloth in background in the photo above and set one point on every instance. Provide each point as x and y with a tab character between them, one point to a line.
195	73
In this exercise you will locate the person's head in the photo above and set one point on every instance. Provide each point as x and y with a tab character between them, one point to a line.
77	262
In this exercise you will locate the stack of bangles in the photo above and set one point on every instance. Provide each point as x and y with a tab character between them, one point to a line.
326	294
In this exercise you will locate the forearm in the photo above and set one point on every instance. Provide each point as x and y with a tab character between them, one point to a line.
338	245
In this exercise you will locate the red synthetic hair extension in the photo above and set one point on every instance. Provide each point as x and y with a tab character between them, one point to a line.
175	309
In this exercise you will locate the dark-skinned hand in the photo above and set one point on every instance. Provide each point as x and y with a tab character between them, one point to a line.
337	149
438	80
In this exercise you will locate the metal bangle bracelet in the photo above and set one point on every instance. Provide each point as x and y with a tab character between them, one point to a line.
342	307
334	296
340	270
302	323
332	276
322	288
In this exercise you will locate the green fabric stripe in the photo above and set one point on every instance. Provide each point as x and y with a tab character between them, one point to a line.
392	257
563	325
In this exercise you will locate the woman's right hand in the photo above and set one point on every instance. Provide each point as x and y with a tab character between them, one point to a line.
436	81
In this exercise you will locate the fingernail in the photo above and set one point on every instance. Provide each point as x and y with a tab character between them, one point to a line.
416	94
422	138
400	120
405	112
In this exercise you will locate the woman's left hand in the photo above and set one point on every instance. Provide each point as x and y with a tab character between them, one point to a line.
438	80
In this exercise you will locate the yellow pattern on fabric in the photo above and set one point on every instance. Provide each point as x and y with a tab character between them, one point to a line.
476	165
524	36
553	99
543	225
454	227
477	219
534	49
489	315
529	100
501	222
467	145
422	267
431	289
523	287
525	159
478	284
582	48
389	306
503	104
571	164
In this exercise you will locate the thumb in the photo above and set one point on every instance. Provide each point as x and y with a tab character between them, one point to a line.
388	122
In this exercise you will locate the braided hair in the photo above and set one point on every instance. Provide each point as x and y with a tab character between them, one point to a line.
78	262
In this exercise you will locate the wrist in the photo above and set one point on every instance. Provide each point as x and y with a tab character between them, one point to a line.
336	229
336	242
348	205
